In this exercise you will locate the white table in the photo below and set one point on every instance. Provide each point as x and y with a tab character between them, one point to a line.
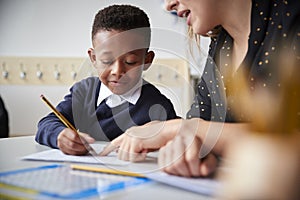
12	149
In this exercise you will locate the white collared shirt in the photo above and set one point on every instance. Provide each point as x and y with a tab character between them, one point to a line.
114	100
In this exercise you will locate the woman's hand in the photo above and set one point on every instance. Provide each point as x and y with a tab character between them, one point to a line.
181	157
70	142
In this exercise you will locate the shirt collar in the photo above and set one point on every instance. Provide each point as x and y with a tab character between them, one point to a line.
113	100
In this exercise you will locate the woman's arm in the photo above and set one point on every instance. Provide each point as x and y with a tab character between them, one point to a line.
138	140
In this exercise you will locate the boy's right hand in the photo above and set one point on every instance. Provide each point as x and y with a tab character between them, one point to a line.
69	142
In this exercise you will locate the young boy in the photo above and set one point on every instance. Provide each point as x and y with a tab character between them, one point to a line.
103	107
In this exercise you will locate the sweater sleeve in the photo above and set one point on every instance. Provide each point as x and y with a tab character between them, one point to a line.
50	126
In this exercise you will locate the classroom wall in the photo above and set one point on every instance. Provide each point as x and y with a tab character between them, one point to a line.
61	28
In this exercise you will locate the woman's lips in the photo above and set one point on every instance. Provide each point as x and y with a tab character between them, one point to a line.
188	20
185	14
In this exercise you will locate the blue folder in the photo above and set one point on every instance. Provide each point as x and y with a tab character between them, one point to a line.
60	182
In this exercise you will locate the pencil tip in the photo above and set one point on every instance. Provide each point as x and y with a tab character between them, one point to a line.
42	96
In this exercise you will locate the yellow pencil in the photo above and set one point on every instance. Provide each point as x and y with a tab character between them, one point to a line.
69	125
58	114
105	170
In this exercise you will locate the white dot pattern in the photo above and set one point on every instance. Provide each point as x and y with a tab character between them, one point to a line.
271	23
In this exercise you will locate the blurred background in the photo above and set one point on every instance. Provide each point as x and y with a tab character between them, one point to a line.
44	49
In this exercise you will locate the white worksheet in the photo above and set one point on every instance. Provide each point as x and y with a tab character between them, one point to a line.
55	155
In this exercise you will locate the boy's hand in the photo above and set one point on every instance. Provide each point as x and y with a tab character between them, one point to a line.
69	142
137	141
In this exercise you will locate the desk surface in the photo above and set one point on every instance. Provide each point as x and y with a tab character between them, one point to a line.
12	149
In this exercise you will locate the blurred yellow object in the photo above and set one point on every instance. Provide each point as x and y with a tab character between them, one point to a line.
266	163
274	109
262	167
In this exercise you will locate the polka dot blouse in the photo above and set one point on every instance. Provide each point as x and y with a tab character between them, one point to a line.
275	25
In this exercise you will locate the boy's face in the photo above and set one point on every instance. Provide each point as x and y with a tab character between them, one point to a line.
120	59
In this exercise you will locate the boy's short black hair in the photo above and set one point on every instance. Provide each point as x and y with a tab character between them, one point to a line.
121	18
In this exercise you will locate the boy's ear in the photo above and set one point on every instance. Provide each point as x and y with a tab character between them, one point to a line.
149	59
92	55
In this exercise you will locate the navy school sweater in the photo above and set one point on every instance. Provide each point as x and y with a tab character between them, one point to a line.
102	122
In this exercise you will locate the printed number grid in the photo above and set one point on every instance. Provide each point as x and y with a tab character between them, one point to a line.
61	181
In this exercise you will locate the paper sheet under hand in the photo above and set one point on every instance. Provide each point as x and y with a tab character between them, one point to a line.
55	155
204	186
